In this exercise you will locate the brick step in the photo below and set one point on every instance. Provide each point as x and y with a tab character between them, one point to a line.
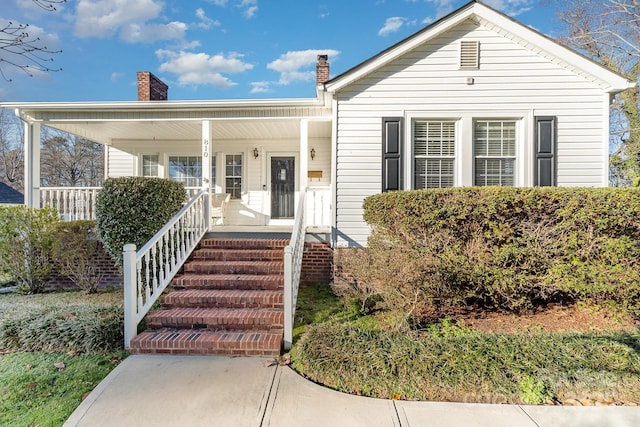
235	267
204	341
224	298
238	254
244	243
229	281
217	318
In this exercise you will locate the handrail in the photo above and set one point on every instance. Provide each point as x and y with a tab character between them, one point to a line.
148	271
292	268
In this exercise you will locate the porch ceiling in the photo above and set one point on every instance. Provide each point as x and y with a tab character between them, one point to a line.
117	132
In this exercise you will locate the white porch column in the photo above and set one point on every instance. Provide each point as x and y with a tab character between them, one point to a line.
304	153
32	164
206	167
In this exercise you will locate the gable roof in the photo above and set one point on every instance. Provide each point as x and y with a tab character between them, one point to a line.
531	39
9	195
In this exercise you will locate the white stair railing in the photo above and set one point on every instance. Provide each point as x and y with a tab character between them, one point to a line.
72	203
148	271
292	268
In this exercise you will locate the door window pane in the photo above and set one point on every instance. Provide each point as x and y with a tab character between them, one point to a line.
233	175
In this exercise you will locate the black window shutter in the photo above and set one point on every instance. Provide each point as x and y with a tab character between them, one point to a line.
545	152
392	143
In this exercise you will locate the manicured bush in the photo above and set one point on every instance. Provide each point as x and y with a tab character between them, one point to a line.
26	236
507	248
133	209
74	250
449	363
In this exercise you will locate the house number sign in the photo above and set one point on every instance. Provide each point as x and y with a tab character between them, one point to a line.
205	148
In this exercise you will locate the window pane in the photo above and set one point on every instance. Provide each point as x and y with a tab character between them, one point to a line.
150	165
434	153
186	169
495	149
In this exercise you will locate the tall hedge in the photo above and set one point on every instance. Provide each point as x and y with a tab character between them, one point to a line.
133	209
510	248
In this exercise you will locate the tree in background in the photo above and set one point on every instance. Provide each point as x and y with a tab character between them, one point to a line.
70	161
11	150
19	49
608	31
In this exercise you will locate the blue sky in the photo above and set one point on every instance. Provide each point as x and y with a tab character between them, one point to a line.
219	49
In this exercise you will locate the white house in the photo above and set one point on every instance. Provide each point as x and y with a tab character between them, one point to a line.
475	98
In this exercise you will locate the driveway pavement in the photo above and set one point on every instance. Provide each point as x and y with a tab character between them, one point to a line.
222	391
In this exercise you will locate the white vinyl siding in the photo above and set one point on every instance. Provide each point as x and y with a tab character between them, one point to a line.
433	153
428	83
120	163
494	147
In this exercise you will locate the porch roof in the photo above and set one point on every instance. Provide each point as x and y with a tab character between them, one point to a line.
111	123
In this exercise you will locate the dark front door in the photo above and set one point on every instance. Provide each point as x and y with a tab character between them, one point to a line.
283	187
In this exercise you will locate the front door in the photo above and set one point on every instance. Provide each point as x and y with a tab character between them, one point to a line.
283	187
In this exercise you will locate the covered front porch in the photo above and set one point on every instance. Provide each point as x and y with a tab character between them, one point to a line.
263	154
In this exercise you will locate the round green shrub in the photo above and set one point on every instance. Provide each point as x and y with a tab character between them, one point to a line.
133	209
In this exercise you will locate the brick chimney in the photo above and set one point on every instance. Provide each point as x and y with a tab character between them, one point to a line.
322	70
151	88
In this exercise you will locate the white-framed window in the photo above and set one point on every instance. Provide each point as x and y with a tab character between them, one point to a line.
494	148
186	169
434	145
150	165
233	175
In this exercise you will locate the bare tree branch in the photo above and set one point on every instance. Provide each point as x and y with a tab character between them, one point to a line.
19	49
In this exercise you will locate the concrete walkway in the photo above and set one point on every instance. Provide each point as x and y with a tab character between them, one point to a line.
222	391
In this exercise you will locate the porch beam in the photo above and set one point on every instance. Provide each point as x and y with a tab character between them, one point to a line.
32	164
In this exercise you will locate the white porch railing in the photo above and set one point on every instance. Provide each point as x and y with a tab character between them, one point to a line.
292	268
318	207
148	271
72	203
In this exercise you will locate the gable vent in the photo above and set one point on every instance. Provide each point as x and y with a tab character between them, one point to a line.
469	52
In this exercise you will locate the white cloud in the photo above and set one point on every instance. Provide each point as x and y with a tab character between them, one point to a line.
250	8
221	3
205	21
126	18
260	87
391	25
299	65
147	33
116	76
202	69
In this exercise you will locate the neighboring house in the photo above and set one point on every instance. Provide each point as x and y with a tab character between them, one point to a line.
475	98
10	196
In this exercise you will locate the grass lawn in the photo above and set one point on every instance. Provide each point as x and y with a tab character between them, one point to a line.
381	356
43	388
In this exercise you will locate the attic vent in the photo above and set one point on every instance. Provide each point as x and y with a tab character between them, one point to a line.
469	53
